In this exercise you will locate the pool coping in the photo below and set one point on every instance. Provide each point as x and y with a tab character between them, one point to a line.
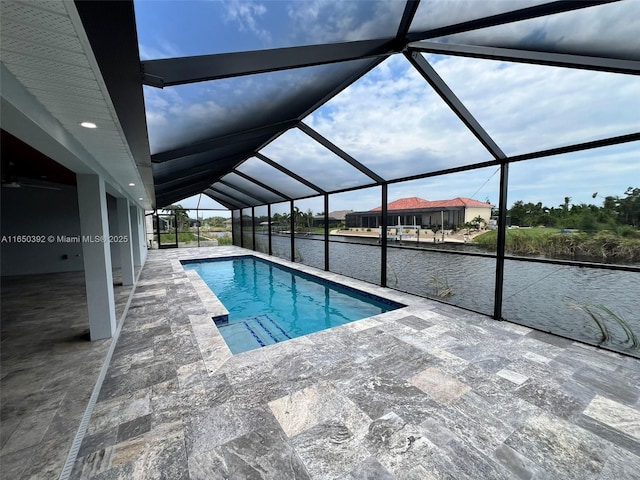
213	348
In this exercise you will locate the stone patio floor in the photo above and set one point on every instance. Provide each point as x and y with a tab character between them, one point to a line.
48	369
428	391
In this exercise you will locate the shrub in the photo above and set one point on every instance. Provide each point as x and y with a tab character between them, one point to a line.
604	245
628	231
225	240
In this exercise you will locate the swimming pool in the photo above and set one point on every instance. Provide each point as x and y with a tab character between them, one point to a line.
270	303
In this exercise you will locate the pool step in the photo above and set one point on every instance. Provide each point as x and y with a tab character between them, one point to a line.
252	332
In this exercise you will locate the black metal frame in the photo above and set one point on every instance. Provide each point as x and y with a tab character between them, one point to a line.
124	75
124	78
500	254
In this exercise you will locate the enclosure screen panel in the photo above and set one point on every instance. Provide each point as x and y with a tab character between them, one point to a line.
298	152
527	108
256	168
171	29
256	190
393	122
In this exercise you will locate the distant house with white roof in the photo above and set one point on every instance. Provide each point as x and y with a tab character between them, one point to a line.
423	213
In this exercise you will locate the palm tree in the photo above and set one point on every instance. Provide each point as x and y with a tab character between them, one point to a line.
468	226
285	220
309	217
297	217
479	221
182	217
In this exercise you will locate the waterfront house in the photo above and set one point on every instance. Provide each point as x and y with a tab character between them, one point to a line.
418	212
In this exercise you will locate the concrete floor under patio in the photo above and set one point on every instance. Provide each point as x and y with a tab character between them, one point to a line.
428	391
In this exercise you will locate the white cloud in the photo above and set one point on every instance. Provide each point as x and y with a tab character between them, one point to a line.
438	13
483	182
306	157
174	120
247	16
203	202
531	107
396	125
199	111
390	122
608	171
393	122
160	49
609	29
324	21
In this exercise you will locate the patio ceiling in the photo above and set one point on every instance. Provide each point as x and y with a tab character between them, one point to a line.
261	136
52	82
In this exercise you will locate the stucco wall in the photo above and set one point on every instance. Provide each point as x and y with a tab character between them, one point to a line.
473	212
41	213
51	216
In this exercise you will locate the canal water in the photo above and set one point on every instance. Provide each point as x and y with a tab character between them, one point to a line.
575	302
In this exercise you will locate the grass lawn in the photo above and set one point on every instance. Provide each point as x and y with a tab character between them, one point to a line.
490	237
167	238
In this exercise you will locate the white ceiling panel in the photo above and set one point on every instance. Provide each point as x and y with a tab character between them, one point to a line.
45	47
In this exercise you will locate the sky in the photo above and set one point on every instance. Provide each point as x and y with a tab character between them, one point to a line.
391	120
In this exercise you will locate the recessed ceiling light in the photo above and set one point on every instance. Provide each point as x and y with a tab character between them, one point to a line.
132	184
140	198
88	125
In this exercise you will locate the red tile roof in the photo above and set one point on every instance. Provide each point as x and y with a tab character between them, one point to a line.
416	203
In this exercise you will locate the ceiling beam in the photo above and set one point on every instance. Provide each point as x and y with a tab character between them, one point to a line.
339	152
439	85
243	191
263	185
343	85
410	9
240	203
223	203
291	174
177	182
526	56
559	6
178	71
223	141
221	166
174	195
578	147
184	191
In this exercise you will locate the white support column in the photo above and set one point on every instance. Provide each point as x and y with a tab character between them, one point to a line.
135	235
144	246
124	241
94	227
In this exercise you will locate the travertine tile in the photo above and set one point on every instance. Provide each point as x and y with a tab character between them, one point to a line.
560	448
424	392
49	368
439	385
616	415
513	377
329	449
307	408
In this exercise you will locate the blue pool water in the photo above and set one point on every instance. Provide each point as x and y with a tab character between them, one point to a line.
269	303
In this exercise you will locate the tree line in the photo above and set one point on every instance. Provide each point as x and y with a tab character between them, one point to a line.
301	220
617	213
